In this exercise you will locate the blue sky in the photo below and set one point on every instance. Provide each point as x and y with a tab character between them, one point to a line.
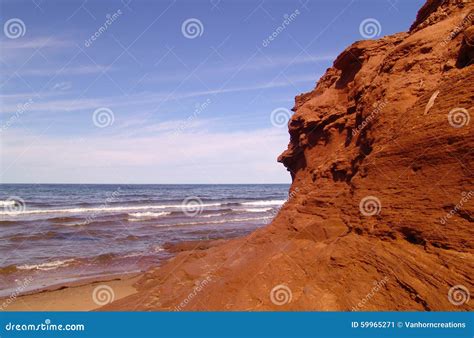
167	91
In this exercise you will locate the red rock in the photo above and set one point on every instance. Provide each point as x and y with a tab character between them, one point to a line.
360	135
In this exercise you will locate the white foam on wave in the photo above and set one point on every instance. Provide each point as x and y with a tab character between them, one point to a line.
254	209
141	216
46	266
101	209
7	203
131	209
264	203
232	220
158	248
211	215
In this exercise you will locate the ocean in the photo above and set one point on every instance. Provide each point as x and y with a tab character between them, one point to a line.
56	233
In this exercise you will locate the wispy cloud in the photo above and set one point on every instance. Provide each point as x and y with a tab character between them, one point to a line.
263	62
44	103
76	70
35	43
197	157
12	49
154	100
257	63
259	86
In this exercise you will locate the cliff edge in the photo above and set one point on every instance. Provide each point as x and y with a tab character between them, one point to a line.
381	208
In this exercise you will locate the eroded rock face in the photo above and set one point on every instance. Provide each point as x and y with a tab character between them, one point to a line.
382	202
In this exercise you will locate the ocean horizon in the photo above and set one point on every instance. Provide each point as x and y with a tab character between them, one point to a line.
57	233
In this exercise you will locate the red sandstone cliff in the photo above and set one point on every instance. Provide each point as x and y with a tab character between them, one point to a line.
382	205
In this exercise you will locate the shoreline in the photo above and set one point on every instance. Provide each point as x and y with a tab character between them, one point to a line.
73	296
78	295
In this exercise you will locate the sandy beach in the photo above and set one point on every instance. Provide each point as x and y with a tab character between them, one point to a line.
77	296
93	293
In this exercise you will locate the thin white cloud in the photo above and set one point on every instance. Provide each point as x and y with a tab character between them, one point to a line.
260	63
34	43
137	127
197	157
233	89
153	99
42	104
12	49
61	86
286	61
75	70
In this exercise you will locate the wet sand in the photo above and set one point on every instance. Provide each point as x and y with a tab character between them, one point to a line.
79	295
